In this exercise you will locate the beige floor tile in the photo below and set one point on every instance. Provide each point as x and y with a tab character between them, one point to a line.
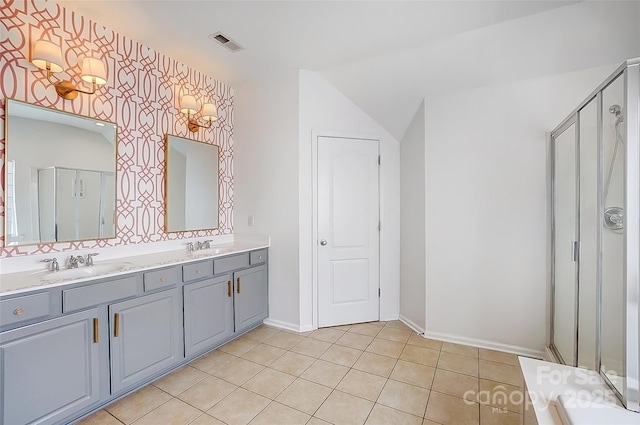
376	364
428	422
304	395
292	363
239	346
311	347
420	341
367	329
261	333
205	419
530	420
500	395
447	410
317	421
173	412
239	407
276	413
405	397
344	409
455	384
101	417
354	340
327	334
207	392
394	334
284	340
239	371
264	354
212	362
343	328
462	350
377	323
383	415
501	372
385	347
397	324
424	356
413	373
138	404
269	383
499	357
496	416
325	373
456	363
362	384
344	356
178	381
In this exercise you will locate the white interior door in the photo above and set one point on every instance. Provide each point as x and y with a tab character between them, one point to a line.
348	231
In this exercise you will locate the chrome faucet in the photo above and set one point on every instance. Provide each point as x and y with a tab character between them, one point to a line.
53	264
190	247
206	244
72	262
199	246
89	261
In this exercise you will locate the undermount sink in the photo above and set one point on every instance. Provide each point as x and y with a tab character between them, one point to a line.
212	251
84	272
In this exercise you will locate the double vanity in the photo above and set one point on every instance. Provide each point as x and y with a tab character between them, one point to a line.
74	340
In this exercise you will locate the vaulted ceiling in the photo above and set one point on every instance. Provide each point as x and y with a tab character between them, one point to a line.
385	55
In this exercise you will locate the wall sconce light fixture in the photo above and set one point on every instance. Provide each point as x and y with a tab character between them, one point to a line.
48	56
189	106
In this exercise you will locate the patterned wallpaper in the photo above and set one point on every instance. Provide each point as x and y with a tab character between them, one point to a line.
141	96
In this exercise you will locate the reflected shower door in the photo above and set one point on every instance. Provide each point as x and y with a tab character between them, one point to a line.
565	289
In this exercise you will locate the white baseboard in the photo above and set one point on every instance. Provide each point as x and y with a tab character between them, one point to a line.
521	351
389	318
549	356
411	324
287	326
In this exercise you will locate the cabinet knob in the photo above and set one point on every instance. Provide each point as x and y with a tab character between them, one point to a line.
17	311
162	279
197	271
259	257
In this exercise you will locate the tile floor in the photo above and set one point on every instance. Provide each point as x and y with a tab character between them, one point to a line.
371	373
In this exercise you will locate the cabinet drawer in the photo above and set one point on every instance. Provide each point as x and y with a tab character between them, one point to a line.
258	257
99	293
24	308
197	271
161	278
225	264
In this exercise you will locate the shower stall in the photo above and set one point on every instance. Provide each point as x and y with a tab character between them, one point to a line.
594	238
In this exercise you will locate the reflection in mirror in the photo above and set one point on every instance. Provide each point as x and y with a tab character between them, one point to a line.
191	185
60	181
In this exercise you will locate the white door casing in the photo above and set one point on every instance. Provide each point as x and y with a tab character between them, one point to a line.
348	211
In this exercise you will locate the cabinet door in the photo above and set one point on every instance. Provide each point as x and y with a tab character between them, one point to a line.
208	316
250	299
145	337
49	370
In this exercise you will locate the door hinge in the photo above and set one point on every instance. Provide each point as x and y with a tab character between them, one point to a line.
378	292
379	160
379	226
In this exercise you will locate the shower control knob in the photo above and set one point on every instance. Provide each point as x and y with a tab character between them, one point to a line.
323	242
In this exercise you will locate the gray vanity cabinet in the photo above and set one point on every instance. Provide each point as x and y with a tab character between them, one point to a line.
208	313
250	297
50	370
145	337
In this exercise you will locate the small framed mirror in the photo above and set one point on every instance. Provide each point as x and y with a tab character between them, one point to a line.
60	176
191	185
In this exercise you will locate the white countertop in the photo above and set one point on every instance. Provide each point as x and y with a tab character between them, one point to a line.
572	396
24	281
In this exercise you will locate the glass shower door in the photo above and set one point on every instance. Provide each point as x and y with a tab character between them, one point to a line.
565	290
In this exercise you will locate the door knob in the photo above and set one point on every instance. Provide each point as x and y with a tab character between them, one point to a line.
323	242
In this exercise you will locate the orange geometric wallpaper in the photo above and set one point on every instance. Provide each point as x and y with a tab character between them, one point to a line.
141	97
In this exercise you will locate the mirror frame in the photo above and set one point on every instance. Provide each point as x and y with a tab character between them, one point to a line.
3	163
166	184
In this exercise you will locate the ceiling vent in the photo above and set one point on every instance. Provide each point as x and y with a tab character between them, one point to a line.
226	42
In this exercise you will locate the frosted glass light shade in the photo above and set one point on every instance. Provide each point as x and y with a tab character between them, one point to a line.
45	53
209	112
93	71
188	104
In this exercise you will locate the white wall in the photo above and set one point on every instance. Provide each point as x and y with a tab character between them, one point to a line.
486	208
324	110
265	183
412	223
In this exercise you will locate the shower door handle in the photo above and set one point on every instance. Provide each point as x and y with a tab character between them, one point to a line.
575	250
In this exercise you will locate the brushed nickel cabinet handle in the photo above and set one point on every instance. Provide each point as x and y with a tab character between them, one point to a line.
229	291
197	271
18	311
96	335
238	284
162	279
116	325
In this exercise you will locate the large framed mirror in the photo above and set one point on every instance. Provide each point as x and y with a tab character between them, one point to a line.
60	176
191	185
